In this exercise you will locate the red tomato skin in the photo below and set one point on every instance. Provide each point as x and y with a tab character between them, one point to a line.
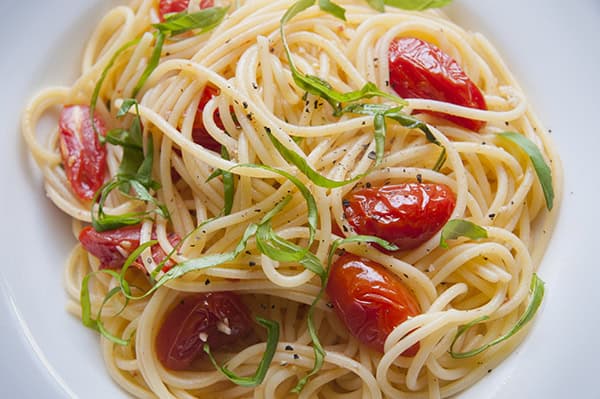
173	6
406	214
178	342
114	246
421	70
199	133
84	158
370	300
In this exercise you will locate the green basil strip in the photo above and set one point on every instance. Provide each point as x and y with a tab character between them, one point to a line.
203	21
417	4
542	169
440	161
86	307
333	9
201	263
111	62
135	172
411	122
103	222
152	63
301	163
120	137
378	5
461	228
258	377
318	86
382	111
103	331
228	184
311	204
537	294
317	346
359	239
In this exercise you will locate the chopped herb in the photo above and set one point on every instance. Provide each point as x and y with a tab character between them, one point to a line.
461	228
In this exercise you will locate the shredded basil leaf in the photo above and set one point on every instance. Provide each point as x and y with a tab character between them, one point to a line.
109	65
318	86
461	228
203	21
543	171
84	299
134	174
382	111
313	215
152	62
537	295
441	160
317	346
305	168
228	183
333	9
378	5
417	4
258	377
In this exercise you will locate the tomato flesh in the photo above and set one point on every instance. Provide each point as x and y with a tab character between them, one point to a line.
83	157
113	247
195	321
173	6
370	300
406	215
199	133
421	70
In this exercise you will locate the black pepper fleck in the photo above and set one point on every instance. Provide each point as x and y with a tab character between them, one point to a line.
251	263
296	356
419	178
345	203
206	282
372	155
289	348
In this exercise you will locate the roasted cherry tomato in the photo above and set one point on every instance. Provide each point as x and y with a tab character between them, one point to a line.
370	300
114	246
420	70
173	6
217	318
199	133
84	158
405	214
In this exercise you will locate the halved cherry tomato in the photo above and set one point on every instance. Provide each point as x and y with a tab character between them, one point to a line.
172	6
113	247
199	133
370	300
217	318
421	70
84	158
405	214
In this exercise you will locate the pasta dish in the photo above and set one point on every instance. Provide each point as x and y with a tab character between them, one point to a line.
278	199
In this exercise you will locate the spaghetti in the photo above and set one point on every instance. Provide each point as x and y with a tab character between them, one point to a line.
230	84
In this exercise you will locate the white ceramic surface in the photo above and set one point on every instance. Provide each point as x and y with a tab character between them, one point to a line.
551	45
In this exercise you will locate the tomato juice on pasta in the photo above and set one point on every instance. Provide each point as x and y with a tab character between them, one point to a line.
276	199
